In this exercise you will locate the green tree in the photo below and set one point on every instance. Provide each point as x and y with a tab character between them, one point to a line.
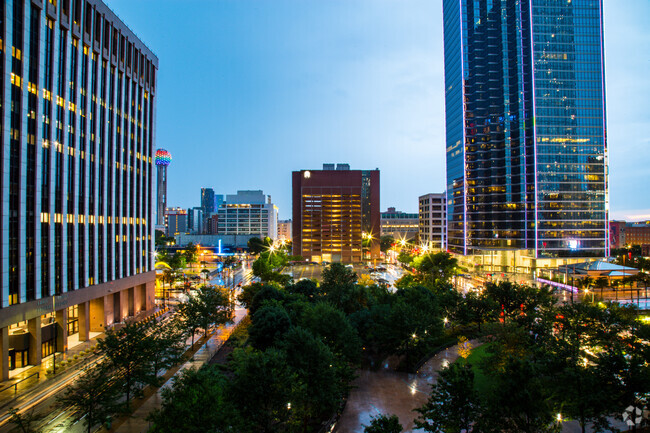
305	287
435	268
263	388
337	274
190	253
168	345
453	405
93	396
268	325
129	353
405	258
24	422
386	242
197	402
325	378
475	308
384	424
211	306
334	329
519	402
257	245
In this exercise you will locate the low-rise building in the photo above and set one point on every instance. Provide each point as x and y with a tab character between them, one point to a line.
284	230
176	219
400	225
433	220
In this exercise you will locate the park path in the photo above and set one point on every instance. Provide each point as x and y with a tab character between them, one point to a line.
386	391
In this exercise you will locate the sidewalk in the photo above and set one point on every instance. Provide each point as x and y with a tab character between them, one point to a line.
137	422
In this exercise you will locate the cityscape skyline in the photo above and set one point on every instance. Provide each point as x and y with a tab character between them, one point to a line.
375	71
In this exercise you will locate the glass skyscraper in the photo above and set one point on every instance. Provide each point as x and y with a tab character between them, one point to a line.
526	128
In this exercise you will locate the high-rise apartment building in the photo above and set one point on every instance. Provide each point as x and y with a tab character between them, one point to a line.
77	127
336	214
433	220
525	120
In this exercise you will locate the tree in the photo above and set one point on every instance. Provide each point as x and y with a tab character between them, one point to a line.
263	388
334	329
435	267
453	404
257	245
476	308
337	274
205	273
94	396
405	258
168	345
190	253
385	243
324	377
211	306
128	351
384	424
197	402
518	402
305	287
268	325
24	422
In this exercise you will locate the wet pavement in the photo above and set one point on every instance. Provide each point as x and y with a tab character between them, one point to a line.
389	392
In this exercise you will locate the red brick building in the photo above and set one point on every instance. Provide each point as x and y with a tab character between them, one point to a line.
333	210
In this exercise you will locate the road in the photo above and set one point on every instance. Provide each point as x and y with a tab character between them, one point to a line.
42	399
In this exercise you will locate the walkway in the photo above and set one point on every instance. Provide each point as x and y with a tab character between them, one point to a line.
137	423
386	391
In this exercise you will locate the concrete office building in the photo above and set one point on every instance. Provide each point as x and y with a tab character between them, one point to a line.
433	220
526	142
248	213
76	189
333	210
399	225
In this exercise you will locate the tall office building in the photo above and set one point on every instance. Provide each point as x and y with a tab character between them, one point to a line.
525	120
162	161
77	128
207	206
333	210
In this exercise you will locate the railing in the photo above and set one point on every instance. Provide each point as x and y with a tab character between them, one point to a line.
15	385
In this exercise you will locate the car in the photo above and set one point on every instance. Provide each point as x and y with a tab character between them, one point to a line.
349	266
324	263
381	269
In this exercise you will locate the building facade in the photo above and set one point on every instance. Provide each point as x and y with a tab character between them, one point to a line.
399	225
207	205
177	221
525	124
433	220
626	234
77	203
333	211
284	230
195	220
248	213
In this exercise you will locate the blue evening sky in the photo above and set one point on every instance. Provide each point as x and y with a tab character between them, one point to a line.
250	90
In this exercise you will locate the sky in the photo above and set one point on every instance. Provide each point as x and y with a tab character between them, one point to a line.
251	90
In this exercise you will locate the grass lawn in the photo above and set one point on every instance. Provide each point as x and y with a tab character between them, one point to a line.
482	383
